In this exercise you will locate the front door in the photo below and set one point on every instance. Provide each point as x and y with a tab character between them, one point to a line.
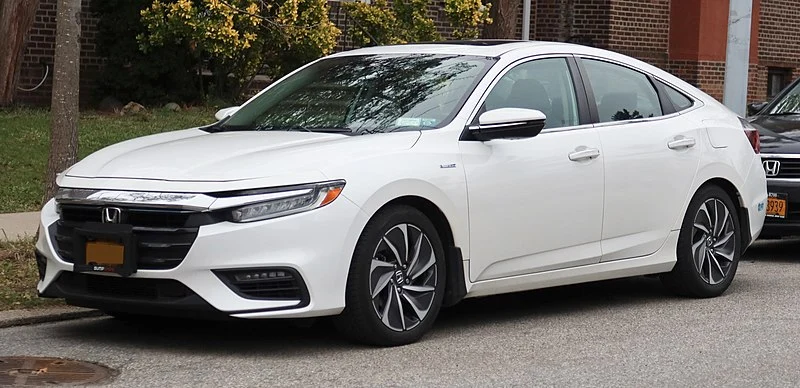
535	204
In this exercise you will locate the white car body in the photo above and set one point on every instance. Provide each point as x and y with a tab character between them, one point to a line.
523	215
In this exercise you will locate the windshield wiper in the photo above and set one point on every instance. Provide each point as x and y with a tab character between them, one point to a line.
784	114
320	129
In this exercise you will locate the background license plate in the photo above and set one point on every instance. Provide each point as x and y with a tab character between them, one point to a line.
776	205
102	252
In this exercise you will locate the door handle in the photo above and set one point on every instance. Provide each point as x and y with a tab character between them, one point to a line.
681	142
582	153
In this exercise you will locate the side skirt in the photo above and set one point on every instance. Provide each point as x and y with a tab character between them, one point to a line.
661	261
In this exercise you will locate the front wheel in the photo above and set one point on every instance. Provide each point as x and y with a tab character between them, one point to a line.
396	281
709	246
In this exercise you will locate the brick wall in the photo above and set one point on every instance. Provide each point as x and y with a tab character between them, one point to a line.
640	28
41	48
779	45
580	20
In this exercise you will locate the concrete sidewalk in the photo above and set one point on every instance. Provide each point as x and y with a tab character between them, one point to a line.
15	226
11	318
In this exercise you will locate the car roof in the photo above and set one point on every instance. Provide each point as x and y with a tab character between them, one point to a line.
499	48
485	47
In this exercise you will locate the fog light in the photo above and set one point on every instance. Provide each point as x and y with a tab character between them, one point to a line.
259	275
280	283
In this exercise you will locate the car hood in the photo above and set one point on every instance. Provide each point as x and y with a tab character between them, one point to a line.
196	155
779	134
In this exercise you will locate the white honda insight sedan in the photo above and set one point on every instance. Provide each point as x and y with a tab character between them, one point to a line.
381	184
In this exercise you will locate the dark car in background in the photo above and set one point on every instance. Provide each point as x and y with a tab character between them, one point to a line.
778	124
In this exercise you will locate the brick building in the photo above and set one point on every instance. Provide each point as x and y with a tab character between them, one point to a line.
685	37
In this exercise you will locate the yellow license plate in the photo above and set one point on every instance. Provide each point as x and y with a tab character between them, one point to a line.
104	253
776	207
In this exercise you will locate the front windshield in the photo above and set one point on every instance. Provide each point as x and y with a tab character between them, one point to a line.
365	94
789	104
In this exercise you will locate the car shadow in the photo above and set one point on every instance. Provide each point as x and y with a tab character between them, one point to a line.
284	338
776	251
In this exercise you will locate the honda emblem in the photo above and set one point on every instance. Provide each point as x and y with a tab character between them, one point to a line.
112	215
772	167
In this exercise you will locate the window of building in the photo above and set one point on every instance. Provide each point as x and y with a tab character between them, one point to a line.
777	79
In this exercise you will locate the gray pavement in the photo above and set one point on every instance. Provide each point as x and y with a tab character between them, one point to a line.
617	333
14	226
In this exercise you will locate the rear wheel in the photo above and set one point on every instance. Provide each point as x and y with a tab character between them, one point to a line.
396	281
709	246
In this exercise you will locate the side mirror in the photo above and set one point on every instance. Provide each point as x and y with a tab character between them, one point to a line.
506	123
755	107
225	112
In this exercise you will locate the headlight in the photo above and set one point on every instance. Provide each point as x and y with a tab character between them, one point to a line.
296	200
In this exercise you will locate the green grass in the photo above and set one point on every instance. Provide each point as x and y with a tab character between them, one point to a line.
18	277
25	138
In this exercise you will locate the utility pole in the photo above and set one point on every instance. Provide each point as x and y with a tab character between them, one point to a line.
737	59
526	19
66	84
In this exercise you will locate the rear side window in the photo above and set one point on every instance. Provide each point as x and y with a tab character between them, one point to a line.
621	93
678	99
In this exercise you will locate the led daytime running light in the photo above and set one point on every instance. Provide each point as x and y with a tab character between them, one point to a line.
321	195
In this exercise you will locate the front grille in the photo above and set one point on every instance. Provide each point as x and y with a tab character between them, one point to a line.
123	288
266	283
789	168
163	236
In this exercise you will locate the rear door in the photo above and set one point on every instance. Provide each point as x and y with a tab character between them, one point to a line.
651	154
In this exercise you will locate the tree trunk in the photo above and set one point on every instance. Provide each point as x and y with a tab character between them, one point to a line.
16	18
504	20
66	84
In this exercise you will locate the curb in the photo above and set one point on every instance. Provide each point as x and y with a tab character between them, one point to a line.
13	318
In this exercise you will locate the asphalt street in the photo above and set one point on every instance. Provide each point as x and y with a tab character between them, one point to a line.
626	332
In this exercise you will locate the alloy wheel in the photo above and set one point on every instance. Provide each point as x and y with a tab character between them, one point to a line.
403	277
713	241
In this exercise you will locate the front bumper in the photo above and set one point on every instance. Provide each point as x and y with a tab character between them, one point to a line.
316	245
789	226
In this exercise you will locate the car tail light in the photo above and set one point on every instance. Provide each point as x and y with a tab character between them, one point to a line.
752	135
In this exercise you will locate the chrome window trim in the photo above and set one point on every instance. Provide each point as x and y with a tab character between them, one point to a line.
565	129
636	121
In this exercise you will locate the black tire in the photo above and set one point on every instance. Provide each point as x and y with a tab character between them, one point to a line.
360	320
690	275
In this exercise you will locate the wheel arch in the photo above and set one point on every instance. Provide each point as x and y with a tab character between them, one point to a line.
741	208
455	283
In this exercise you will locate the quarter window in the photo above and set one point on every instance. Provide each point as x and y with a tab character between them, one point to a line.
621	93
545	85
678	99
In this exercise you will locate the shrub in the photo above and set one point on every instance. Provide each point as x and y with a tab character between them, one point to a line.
239	38
406	21
166	73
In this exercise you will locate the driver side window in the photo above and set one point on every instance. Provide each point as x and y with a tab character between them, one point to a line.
545	85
